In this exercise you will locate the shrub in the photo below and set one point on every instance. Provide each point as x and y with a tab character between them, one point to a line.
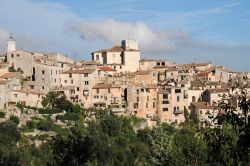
50	111
68	116
2	115
45	125
15	119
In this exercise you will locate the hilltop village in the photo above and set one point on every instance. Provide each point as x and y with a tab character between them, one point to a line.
120	80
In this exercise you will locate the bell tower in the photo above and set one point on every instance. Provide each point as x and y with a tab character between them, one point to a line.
11	44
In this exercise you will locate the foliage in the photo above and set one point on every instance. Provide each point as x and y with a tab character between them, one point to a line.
12	69
2	114
15	119
49	110
19	70
69	116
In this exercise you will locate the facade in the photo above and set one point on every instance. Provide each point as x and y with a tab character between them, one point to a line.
121	58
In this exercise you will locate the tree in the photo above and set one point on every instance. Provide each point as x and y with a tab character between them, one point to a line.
12	69
51	99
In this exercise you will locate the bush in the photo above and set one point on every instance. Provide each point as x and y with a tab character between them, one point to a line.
2	115
68	116
45	125
31	124
15	119
50	111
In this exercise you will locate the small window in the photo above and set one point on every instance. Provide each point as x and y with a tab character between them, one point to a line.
165	102
77	88
164	109
120	67
97	91
65	81
97	57
70	75
43	72
153	104
177	90
86	82
178	98
86	75
12	55
146	105
18	55
165	96
142	90
108	90
72	81
42	87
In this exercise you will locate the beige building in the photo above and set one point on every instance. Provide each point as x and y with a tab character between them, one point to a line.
171	103
121	58
204	112
26	98
142	102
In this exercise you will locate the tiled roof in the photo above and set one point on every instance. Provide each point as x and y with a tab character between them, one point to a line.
114	49
3	81
105	86
79	71
106	68
202	105
217	90
9	75
29	92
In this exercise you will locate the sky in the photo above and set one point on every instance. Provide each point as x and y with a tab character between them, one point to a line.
183	31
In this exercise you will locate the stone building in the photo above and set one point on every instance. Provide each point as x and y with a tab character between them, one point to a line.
121	58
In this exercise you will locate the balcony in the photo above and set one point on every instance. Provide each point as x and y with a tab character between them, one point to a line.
178	111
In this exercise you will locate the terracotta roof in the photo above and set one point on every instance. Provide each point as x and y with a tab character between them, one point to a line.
105	86
217	90
106	68
196	84
79	71
29	92
141	73
202	105
9	75
114	49
4	81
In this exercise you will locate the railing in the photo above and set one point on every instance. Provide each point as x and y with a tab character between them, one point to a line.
178	111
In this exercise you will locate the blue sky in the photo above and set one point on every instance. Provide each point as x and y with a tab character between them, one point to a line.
181	30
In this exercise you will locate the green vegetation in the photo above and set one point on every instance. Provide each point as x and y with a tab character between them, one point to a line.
2	114
15	119
98	137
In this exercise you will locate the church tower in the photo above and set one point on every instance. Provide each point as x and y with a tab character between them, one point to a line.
11	44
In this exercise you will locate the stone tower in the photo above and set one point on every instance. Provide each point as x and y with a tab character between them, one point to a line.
11	44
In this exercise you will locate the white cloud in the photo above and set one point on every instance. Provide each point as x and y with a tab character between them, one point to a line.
4	34
113	31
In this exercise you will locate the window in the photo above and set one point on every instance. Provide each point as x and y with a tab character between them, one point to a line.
43	72
72	81
114	67
137	91
147	90
165	102
193	99
15	95
120	67
147	98
177	90
85	92
97	91
12	55
178	98
164	109
158	64
43	79
55	80
86	75
163	63
61	65
77	88
136	105
142	90
65	81
97	57
108	90
146	105
70	75
18	55
165	96
201	112
86	82
51	72
137	99
153	104
42	87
